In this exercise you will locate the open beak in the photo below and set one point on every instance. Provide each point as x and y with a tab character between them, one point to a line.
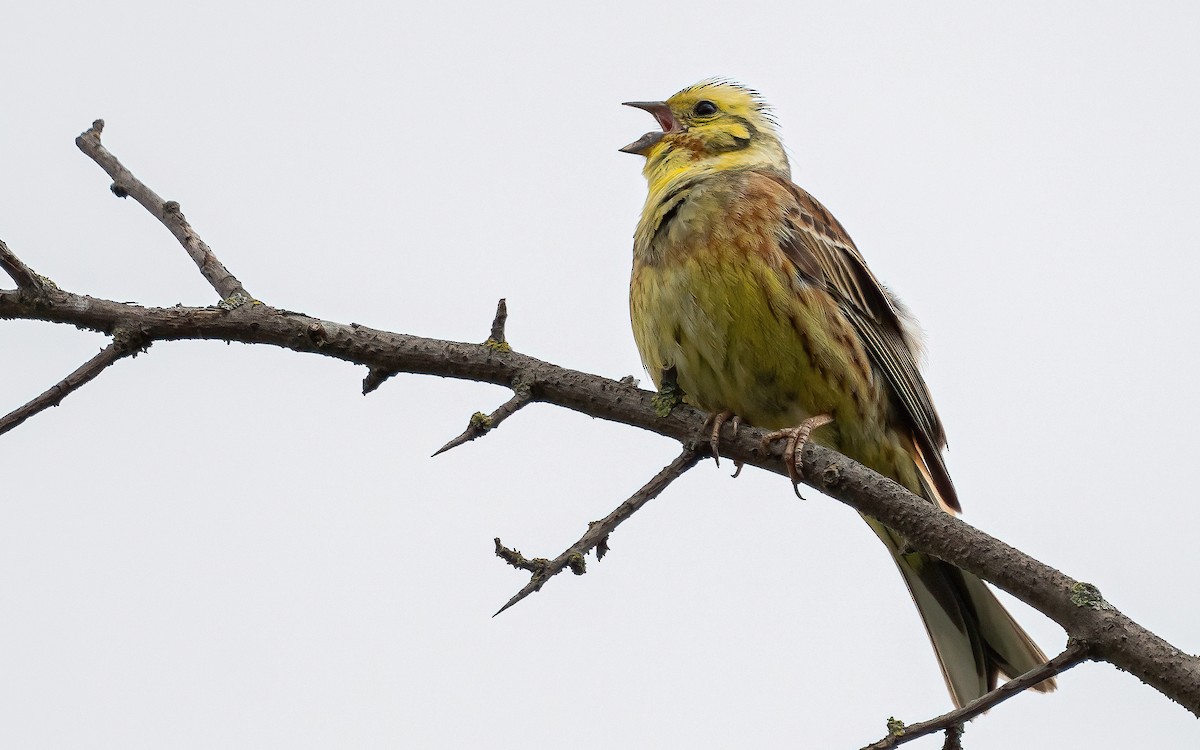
666	121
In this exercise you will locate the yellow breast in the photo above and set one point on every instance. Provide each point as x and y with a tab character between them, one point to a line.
713	297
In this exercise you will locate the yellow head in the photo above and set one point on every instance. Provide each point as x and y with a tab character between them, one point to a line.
713	126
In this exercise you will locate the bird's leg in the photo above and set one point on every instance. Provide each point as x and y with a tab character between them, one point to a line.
796	437
718	421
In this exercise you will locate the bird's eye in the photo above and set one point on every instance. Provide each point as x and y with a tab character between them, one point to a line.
704	108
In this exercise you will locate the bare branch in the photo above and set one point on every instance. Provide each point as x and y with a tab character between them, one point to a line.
168	212
121	346
22	274
1075	653
598	531
1112	636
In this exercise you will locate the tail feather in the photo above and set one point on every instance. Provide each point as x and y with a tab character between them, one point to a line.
975	638
1010	649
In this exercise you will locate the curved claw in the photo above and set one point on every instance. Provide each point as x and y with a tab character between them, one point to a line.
796	438
718	421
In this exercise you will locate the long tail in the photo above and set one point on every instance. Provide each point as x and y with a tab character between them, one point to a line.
975	638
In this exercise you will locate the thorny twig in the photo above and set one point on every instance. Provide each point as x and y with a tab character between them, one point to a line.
598	531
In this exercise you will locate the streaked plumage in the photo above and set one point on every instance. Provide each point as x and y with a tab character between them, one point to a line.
752	297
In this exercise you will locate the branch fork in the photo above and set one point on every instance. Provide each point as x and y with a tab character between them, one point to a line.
481	424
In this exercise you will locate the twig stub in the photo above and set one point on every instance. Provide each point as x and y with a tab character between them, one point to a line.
514	558
496	338
953	738
375	378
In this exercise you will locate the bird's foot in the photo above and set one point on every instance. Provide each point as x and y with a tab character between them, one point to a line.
714	437
796	437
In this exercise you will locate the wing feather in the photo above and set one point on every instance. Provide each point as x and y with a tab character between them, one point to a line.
824	253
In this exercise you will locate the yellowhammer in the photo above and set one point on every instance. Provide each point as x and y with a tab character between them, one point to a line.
749	297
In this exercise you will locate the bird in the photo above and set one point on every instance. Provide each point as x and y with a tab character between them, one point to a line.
750	299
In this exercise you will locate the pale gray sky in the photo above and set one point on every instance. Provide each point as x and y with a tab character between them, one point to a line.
222	546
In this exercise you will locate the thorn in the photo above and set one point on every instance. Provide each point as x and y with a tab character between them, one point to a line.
478	425
481	424
507	604
535	584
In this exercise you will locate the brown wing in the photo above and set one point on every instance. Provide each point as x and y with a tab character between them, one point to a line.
824	254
